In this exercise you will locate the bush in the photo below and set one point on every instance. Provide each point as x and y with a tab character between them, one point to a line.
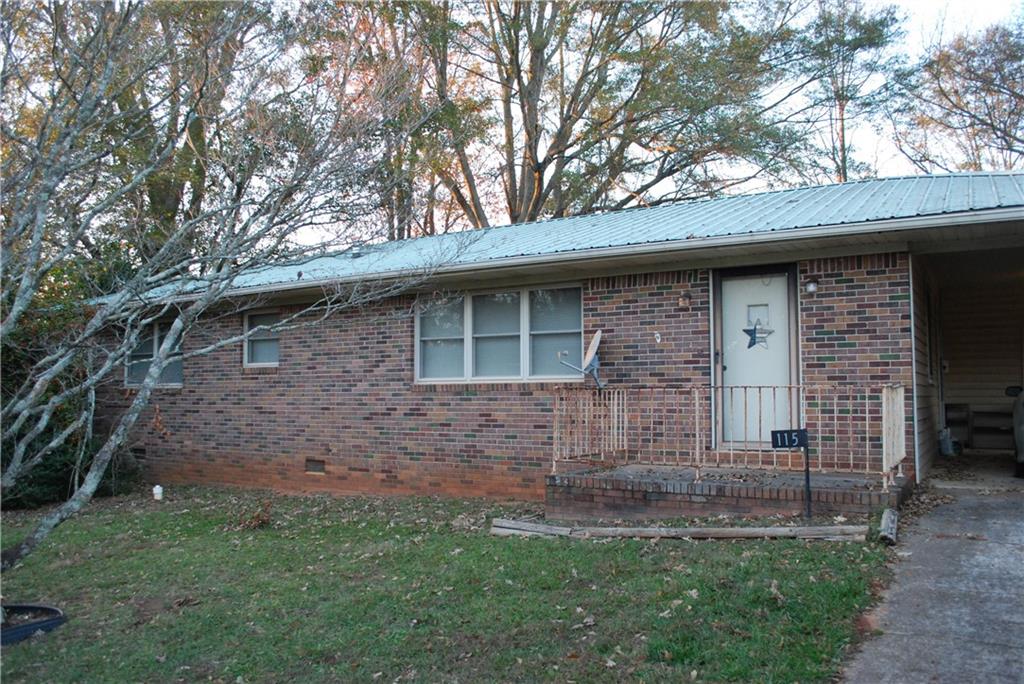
53	480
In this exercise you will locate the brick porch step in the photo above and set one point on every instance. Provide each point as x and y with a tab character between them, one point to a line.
653	492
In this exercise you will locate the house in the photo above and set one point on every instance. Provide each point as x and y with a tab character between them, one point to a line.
874	313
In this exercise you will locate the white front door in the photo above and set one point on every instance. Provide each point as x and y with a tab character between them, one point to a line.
755	357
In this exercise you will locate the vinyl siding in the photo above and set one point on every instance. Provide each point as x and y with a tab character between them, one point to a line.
928	417
983	345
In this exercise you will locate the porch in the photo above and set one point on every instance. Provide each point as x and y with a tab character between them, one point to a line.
667	452
635	492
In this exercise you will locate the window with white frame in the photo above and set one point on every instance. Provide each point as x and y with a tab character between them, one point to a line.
442	339
262	347
141	357
511	335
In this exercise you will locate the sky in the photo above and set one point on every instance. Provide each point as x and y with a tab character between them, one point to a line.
926	17
926	21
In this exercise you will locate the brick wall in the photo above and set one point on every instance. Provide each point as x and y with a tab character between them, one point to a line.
344	394
856	328
655	327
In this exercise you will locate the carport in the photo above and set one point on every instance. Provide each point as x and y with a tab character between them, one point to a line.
968	311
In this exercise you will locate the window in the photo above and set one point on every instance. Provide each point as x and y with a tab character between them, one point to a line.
556	331
513	335
441	340
496	335
261	347
142	356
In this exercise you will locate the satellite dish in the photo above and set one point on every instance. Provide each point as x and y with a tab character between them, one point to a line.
591	362
595	342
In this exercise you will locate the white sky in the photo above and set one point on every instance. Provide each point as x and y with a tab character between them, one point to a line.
925	18
926	21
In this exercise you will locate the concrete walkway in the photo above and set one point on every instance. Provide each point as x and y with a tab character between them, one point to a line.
955	610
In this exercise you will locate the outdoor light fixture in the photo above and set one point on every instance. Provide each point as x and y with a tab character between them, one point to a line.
812	286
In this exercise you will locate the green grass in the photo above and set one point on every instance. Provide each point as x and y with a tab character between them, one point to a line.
344	589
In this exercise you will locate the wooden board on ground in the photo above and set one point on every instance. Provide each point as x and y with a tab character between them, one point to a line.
887	529
507	528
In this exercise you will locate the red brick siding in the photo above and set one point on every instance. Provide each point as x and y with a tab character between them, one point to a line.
344	394
344	391
587	496
856	328
630	310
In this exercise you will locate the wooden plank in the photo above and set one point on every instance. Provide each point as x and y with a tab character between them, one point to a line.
505	528
722	532
512	532
887	530
536	528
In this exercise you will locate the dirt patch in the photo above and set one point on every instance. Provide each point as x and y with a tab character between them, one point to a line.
147	609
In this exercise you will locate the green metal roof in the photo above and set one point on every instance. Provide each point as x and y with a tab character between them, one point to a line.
748	218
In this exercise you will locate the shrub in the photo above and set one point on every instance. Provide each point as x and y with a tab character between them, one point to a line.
54	479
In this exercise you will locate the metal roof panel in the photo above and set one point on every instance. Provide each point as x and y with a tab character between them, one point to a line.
758	215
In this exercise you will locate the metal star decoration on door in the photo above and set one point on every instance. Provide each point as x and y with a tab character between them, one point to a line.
758	334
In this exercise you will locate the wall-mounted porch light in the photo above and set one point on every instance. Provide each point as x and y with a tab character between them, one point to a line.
811	286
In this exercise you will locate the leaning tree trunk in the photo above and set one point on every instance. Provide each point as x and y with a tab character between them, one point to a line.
13	554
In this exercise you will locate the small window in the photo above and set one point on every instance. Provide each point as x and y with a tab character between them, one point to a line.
142	356
262	347
441	344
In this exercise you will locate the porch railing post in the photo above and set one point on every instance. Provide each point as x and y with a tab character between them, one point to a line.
893	438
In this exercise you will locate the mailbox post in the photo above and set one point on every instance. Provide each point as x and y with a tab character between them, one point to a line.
797	437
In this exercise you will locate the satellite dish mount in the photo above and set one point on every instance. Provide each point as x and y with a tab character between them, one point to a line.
591	362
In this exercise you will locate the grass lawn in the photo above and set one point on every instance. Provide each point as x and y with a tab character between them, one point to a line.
373	589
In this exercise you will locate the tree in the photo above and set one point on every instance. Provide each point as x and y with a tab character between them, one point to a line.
848	56
152	155
962	108
555	108
391	46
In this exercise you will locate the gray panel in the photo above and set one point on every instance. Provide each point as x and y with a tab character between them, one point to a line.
496	314
544	350
263	351
496	356
441	359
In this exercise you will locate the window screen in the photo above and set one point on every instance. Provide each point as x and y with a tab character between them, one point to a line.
441	339
263	346
556	331
496	335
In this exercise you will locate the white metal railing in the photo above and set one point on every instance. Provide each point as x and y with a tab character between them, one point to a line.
852	428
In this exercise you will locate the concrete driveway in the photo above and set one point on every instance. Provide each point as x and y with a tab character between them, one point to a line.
955	610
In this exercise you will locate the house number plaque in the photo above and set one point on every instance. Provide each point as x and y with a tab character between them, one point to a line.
791	439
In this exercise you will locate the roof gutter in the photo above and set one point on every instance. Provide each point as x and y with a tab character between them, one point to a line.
670	246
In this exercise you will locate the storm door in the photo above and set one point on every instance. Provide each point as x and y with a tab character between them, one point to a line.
755	354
